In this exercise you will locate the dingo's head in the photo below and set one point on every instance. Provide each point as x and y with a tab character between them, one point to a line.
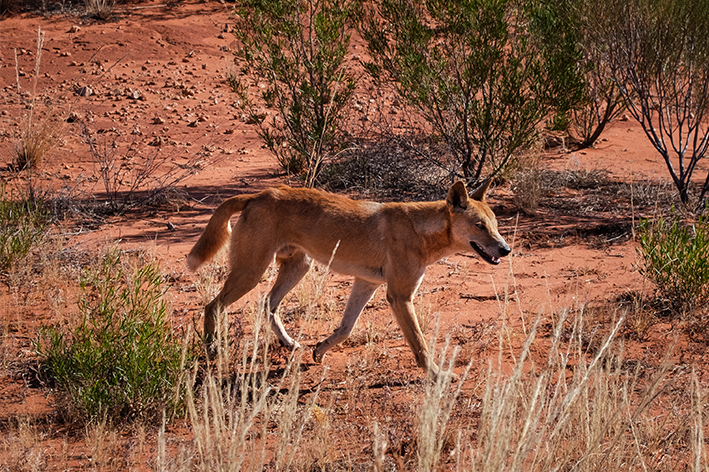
473	224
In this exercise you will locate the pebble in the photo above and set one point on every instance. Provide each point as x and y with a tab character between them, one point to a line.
84	91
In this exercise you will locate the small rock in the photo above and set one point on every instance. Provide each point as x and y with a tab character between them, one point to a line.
64	54
74	29
84	91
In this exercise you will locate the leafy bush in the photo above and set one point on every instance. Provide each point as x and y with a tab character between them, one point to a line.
23	224
675	257
472	69
298	49
588	98
123	362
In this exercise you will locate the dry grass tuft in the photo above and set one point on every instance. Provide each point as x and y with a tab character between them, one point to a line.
37	138
100	9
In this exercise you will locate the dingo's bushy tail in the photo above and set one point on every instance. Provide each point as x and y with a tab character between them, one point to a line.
217	231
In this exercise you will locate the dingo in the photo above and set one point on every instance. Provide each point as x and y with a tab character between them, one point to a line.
377	243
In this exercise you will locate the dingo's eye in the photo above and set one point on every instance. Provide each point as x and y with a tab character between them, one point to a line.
480	225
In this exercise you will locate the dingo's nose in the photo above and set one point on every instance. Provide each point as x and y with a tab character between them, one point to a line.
504	250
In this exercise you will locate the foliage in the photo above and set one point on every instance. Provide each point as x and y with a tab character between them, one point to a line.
658	52
23	224
122	363
298	49
588	98
675	257
471	68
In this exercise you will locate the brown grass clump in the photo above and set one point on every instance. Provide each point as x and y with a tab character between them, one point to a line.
37	138
100	9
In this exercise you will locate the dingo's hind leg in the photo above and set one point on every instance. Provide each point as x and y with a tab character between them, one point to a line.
362	292
247	267
292	267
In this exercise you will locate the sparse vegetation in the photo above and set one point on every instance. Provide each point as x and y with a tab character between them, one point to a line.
472	70
37	137
123	362
675	258
589	98
100	9
135	172
297	49
23	225
658	54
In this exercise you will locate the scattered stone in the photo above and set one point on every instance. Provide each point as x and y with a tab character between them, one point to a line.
158	120
624	117
64	54
84	91
74	29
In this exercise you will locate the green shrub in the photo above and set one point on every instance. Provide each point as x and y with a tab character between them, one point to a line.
473	71
123	362
23	225
675	258
298	50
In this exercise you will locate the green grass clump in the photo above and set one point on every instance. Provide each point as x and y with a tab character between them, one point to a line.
675	257
122	363
23	225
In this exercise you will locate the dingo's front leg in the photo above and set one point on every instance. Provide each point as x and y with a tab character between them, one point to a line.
362	292
400	297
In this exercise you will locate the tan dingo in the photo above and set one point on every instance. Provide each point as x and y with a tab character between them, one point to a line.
377	243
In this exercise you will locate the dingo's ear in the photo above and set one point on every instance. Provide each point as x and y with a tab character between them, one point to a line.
479	193
458	196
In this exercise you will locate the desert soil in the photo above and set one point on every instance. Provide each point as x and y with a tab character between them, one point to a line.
156	75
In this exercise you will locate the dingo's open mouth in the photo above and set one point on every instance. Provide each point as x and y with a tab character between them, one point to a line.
487	257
